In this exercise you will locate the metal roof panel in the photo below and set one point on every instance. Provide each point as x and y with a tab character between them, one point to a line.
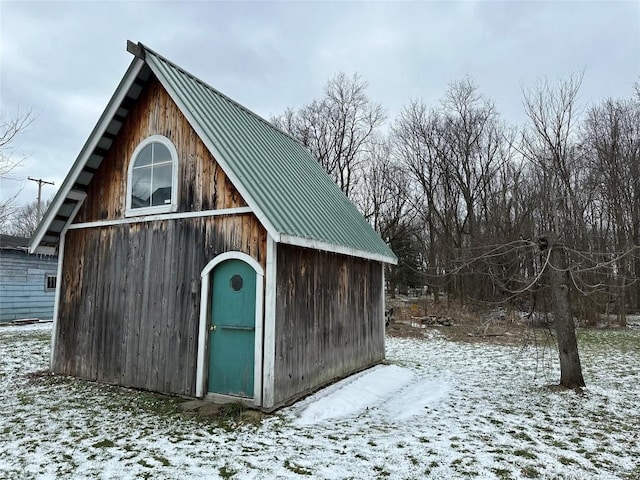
285	186
280	176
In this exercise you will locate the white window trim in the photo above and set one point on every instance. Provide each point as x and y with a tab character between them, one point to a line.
131	212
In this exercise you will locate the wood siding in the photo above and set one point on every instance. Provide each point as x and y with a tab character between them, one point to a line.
202	184
23	292
130	298
329	319
130	293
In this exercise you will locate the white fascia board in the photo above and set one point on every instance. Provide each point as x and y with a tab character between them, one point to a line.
216	154
160	217
79	197
87	151
333	248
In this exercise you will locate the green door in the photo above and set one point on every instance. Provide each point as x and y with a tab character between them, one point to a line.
232	329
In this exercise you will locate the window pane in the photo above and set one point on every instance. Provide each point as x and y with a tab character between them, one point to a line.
236	283
144	157
141	187
161	153
162	184
50	282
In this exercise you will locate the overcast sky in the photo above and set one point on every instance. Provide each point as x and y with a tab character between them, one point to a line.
63	60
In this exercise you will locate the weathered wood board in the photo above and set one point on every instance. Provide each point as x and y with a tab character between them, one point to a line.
329	318
202	183
131	298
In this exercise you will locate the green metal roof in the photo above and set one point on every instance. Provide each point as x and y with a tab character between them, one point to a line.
282	182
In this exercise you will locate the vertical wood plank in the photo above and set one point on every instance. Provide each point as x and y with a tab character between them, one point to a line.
327	323
202	183
130	313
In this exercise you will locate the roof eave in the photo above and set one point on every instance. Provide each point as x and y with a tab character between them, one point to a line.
67	195
65	192
333	248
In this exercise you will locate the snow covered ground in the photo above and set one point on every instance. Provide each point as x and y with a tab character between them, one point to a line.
438	410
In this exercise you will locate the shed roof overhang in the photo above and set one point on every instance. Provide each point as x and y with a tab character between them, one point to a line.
72	193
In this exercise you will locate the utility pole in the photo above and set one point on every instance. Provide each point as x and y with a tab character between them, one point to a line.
40	182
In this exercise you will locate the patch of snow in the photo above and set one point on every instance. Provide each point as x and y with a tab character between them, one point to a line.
396	393
353	395
440	410
414	399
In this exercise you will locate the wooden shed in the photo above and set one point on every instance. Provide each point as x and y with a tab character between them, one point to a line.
205	253
27	281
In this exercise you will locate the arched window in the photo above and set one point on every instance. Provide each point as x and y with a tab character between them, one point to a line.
152	185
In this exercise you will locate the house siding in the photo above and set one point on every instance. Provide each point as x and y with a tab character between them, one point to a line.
202	183
130	298
130	293
23	291
329	319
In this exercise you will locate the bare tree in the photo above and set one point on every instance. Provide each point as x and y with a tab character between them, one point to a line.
454	154
24	220
611	138
337	128
578	247
386	203
502	223
10	157
549	143
419	147
548	220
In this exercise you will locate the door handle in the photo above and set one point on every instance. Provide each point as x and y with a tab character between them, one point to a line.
213	328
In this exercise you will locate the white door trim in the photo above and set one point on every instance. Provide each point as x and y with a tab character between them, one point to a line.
56	304
268	395
203	331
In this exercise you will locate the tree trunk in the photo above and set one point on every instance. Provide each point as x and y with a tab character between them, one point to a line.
637	272
432	270
570	368
622	299
391	278
636	263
